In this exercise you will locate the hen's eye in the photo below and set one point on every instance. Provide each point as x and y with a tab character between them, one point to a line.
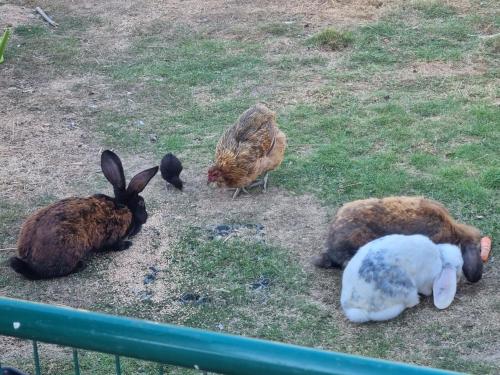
141	203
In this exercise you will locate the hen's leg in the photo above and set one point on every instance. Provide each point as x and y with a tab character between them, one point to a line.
236	193
266	176
238	190
262	182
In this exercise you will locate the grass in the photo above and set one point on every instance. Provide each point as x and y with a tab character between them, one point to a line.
280	29
436	33
225	277
9	217
332	39
364	121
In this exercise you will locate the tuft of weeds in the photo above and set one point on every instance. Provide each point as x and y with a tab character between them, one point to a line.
493	45
332	39
432	9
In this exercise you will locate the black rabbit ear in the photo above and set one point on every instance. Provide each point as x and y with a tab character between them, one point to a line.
112	169
140	180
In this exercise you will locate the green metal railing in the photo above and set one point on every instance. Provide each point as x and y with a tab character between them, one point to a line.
180	346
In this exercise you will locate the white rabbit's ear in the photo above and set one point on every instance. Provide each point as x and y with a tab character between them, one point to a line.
445	287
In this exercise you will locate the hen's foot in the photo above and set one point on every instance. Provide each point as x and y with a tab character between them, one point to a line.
262	182
239	190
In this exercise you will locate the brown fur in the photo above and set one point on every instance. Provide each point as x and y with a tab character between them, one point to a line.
359	222
252	146
56	238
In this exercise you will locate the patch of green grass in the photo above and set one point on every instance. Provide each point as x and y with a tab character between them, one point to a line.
435	107
332	39
238	265
282	29
167	76
53	49
375	342
188	62
448	359
392	40
423	161
433	9
493	45
490	178
30	31
292	62
126	131
357	149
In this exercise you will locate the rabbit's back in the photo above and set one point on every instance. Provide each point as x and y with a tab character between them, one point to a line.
55	238
358	222
386	275
402	215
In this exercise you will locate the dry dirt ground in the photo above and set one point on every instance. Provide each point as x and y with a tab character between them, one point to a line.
42	154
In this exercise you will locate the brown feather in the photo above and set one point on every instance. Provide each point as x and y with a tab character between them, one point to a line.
252	146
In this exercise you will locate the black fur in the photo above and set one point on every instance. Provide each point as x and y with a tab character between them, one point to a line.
129	196
171	168
23	268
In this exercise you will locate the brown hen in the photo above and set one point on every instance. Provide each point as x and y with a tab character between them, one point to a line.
253	146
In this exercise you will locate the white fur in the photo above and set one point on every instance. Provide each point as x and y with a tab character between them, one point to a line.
386	276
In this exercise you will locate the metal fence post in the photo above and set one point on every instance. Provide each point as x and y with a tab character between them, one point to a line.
117	365
75	362
36	358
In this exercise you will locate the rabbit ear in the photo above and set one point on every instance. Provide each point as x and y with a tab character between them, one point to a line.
112	169
445	287
140	180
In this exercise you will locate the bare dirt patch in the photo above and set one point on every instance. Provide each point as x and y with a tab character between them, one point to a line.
442	69
14	15
45	149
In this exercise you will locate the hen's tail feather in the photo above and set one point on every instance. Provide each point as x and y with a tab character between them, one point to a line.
20	266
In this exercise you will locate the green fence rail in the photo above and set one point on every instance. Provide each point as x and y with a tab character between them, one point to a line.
180	346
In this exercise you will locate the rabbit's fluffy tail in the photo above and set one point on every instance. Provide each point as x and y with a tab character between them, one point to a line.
360	316
20	266
388	313
357	315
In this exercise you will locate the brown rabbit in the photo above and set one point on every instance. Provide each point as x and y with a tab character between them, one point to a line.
54	240
359	222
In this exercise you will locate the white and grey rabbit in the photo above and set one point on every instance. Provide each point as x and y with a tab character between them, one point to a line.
387	274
